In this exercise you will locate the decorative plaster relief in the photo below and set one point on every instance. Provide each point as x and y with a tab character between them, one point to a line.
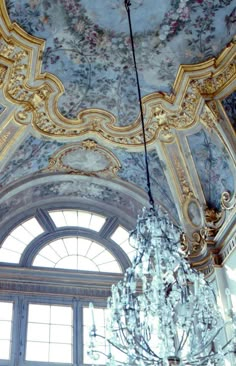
37	101
228	201
90	51
214	166
86	158
193	212
6	136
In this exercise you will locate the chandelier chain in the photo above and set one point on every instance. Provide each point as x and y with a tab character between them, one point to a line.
149	192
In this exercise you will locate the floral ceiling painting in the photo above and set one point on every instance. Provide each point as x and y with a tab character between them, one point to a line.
229	104
214	166
33	155
88	46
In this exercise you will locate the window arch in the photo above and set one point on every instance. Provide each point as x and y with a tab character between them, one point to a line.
29	233
77	253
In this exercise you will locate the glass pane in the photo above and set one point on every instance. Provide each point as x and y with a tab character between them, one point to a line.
71	245
39	313
68	262
4	350
46	338
58	218
60	353
94	250
38	332
83	246
110	267
36	351
61	315
61	334
50	254
86	264
33	227
84	219
120	235
22	234
13	244
6	310
5	330
42	262
71	218
97	222
59	247
104	257
7	256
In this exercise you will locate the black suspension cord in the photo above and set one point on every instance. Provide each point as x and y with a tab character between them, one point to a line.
151	200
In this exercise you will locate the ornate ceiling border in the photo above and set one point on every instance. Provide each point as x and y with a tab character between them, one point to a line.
35	94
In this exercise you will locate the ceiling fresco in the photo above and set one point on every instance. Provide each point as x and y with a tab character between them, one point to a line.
68	189
230	108
88	46
95	157
32	157
214	166
1	108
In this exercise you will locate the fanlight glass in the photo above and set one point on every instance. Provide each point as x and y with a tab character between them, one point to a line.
78	218
77	253
16	242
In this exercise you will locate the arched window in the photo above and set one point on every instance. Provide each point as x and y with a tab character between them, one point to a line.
64	258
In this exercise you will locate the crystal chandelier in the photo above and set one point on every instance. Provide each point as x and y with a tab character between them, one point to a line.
163	313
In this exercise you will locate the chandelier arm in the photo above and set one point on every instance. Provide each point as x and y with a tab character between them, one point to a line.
151	200
140	345
210	341
226	344
112	344
187	333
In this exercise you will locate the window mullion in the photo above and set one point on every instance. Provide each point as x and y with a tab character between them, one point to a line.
20	331
78	344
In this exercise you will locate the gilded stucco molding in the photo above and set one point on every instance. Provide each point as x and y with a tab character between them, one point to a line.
86	158
35	95
186	189
203	246
228	201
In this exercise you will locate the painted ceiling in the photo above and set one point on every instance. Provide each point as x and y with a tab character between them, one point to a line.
88	46
189	112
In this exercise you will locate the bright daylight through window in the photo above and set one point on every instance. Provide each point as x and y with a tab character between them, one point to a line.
66	241
6	311
49	333
77	218
77	253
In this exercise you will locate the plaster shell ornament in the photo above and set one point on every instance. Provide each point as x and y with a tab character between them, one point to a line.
86	158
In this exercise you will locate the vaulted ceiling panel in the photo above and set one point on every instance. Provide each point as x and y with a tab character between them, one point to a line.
88	46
